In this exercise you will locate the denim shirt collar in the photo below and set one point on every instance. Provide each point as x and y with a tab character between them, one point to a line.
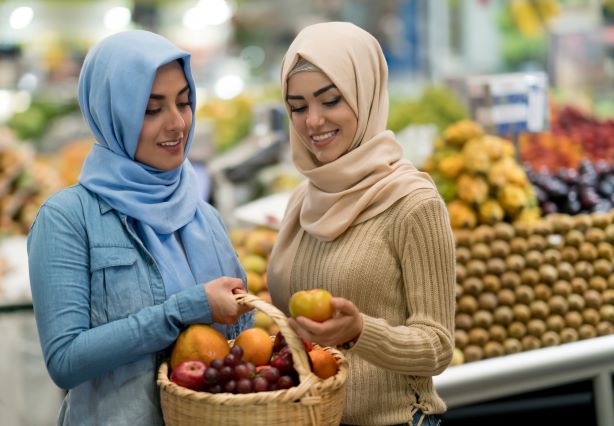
104	206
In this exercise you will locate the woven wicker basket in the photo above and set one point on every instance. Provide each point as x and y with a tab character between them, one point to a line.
313	402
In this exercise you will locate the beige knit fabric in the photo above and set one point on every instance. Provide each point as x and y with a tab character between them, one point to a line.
407	306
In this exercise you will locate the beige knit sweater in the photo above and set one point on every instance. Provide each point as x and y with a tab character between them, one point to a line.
398	268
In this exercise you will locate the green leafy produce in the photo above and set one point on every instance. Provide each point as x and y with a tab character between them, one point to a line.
437	105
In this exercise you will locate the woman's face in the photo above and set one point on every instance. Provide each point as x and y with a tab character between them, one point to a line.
167	121
321	115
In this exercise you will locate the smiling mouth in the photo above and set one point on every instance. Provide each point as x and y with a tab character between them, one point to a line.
324	136
170	144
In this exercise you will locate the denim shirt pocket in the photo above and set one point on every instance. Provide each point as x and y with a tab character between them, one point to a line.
115	287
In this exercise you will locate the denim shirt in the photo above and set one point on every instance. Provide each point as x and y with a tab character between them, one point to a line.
101	310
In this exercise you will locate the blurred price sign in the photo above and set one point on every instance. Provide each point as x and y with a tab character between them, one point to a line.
507	104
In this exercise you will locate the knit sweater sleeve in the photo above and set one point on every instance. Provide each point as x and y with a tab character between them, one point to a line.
423	346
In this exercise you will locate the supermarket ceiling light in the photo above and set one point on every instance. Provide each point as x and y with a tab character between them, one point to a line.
229	86
21	17
117	18
207	13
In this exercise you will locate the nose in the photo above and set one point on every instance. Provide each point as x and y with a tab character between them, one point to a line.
175	122
314	118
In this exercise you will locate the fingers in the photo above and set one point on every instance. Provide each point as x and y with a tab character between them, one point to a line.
345	324
224	307
299	330
343	306
232	283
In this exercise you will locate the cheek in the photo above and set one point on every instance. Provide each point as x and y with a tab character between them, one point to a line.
296	122
148	131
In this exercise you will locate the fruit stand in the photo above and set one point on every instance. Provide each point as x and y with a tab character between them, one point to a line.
534	370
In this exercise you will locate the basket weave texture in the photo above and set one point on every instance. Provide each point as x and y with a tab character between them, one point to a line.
313	402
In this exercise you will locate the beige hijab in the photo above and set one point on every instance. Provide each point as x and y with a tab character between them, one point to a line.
364	181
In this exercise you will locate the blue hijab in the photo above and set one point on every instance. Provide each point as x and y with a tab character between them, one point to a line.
114	88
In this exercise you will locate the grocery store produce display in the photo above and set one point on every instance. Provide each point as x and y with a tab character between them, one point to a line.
436	105
586	189
253	246
480	179
231	120
25	182
523	28
574	135
526	286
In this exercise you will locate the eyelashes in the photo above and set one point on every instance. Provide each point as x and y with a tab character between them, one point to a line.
333	102
330	104
155	111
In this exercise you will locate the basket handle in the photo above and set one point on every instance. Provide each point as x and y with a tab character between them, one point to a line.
299	355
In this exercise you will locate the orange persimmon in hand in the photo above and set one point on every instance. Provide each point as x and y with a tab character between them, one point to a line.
313	304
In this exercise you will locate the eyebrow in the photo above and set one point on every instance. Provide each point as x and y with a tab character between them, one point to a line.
316	93
155	96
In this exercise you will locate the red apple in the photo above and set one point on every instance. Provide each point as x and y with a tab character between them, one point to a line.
189	374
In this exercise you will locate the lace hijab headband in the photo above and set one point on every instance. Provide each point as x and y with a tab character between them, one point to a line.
303	65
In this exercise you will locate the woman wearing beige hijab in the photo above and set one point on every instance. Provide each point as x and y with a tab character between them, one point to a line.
367	226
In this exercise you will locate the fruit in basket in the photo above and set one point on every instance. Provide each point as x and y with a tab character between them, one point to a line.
201	342
313	304
324	364
189	374
233	374
282	360
256	344
280	342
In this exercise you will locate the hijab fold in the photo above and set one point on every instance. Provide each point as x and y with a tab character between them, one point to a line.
171	219
363	182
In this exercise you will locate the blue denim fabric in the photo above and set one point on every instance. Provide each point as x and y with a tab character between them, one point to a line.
101	309
429	420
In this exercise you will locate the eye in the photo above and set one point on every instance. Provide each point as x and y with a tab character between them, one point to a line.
183	105
152	111
297	109
333	101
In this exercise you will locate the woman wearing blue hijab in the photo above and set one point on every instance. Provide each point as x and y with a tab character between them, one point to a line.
123	261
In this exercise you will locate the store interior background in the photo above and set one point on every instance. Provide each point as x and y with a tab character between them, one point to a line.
437	52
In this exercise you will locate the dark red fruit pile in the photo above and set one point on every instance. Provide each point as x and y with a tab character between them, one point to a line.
588	188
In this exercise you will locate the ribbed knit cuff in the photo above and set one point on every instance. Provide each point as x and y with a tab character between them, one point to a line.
370	338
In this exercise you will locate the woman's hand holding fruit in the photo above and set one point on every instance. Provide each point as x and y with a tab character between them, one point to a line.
224	307
343	325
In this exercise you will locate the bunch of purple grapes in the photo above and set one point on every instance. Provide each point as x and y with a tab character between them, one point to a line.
232	374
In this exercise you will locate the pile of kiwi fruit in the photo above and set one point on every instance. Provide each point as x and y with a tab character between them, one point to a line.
526	286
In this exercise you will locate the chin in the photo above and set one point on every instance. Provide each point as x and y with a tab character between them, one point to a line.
325	158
